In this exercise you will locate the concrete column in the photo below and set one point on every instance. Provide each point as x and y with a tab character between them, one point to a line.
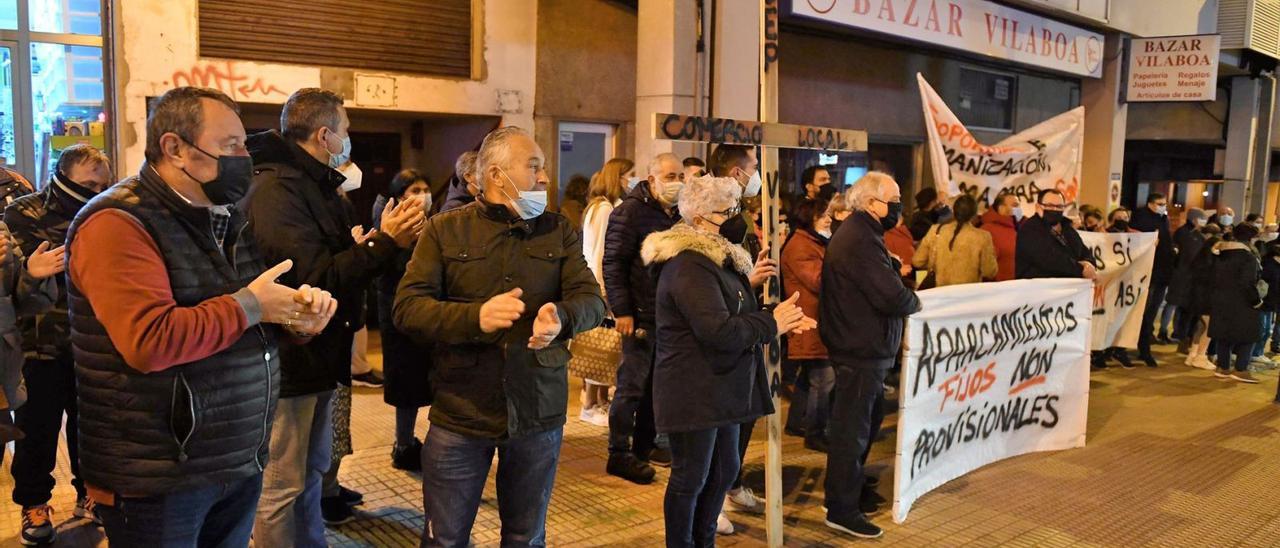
1105	120
667	73
736	78
1259	178
1242	139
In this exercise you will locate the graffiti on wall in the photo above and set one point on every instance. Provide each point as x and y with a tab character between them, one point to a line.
224	77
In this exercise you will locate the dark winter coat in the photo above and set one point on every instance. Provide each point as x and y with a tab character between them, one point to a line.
491	385
1199	296
1236	305
406	363
193	425
863	302
1271	275
802	273
1189	241
457	197
628	284
1145	220
297	214
1040	254
709	368
45	217
920	223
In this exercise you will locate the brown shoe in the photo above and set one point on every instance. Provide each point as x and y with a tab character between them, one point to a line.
9	432
1244	377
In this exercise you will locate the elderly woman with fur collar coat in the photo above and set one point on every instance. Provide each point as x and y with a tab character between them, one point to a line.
709	370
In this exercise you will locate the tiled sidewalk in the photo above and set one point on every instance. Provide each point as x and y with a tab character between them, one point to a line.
1174	458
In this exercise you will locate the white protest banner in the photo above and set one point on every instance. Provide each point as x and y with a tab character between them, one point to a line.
974	26
1120	294
1173	68
992	370
1047	155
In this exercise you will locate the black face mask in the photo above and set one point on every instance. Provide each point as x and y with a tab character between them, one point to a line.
1120	226
734	229
895	213
835	226
826	192
235	174
1052	217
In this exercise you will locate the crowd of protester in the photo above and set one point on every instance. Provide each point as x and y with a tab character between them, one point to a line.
200	323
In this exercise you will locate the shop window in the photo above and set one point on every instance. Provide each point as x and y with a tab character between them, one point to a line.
9	14
66	16
987	99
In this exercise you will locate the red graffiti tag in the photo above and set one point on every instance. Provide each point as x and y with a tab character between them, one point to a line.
224	78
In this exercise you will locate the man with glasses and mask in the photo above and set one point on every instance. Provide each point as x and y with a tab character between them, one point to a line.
498	287
174	321
1155	218
862	306
1047	245
298	214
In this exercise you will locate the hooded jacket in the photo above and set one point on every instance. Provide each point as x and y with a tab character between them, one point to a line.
1004	235
296	213
709	365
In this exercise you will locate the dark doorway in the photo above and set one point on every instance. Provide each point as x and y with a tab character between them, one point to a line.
378	155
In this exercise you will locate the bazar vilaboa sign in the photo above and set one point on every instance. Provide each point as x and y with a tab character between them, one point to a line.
1173	68
974	26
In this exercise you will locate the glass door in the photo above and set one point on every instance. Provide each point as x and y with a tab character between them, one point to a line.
583	150
8	124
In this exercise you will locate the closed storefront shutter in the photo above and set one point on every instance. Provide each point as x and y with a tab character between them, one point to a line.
413	36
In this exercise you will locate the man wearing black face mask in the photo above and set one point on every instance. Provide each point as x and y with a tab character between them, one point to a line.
298	214
1047	245
174	323
862	305
81	173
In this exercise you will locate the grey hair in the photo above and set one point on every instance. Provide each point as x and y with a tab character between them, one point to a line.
706	195
466	165
180	111
308	110
655	165
495	150
867	188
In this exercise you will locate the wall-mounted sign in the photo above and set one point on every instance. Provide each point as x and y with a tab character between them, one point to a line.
1173	68
375	90
828	160
975	26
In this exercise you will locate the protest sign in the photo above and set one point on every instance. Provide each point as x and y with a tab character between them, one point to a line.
992	370
1047	155
1124	262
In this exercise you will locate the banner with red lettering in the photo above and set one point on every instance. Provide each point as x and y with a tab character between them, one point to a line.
992	370
1120	293
1047	155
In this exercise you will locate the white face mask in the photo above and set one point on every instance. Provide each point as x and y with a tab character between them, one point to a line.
1225	220
1162	210
1201	222
1017	212
632	183
753	185
671	191
529	204
353	174
825	233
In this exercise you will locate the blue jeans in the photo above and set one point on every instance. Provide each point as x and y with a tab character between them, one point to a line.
301	442
704	463
454	469
822	380
219	515
1267	319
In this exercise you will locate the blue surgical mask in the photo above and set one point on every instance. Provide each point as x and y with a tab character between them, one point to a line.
1225	220
529	204
341	157
632	183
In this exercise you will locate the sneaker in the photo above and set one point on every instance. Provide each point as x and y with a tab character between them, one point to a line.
723	525
600	417
1244	377
37	525
587	414
858	526
1221	373
86	508
630	468
869	493
1203	362
350	497
744	500
371	379
660	457
335	511
816	444
407	457
1260	360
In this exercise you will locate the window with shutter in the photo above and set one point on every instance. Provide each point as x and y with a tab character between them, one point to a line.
412	36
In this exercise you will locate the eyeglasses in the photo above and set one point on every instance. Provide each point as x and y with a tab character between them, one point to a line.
731	212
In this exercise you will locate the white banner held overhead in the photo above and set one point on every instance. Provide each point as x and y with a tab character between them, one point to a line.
1047	155
992	370
1120	293
974	26
1173	68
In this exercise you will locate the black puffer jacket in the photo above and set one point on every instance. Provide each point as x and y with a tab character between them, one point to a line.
45	217
709	369
491	385
863	301
191	425
628	284
1236	304
1040	254
297	214
1189	241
